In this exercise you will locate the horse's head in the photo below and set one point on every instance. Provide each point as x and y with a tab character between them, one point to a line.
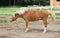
13	18
18	13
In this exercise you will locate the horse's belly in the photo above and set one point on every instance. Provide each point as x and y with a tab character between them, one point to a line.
36	19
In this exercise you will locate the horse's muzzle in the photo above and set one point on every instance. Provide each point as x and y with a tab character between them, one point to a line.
10	20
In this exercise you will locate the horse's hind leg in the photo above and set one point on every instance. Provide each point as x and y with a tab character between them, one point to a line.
45	25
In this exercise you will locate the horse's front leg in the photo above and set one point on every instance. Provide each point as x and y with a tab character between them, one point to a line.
26	26
45	26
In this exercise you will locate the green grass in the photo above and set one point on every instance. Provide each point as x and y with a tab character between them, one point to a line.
3	21
8	11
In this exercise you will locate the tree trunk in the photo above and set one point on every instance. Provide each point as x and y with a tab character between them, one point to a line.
14	3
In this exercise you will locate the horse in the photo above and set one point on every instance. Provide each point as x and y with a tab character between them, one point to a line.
34	15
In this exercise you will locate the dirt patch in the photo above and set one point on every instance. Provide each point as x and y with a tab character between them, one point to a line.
16	30
3	36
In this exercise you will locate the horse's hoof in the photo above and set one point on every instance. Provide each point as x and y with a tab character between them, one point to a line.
44	32
26	30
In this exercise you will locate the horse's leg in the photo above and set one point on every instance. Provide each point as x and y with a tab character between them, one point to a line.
26	26
45	25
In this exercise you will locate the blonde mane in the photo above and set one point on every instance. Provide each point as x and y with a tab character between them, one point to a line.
21	10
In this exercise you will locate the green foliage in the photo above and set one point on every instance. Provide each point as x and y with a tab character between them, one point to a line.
23	2
3	21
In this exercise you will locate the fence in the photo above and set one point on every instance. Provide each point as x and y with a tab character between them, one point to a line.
10	10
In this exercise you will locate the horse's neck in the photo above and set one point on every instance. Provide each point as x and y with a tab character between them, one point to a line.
21	16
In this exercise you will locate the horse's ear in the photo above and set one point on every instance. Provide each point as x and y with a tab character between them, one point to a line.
16	14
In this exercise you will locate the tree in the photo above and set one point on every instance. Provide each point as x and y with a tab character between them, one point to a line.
41	2
10	2
23	2
14	2
44	2
28	2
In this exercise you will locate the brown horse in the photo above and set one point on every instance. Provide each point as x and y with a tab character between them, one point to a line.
34	15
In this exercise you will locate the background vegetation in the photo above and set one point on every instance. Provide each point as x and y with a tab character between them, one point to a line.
23	2
8	7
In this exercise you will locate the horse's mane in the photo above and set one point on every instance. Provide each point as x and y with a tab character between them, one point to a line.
21	10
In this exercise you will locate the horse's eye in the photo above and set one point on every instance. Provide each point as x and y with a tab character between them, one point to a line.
17	14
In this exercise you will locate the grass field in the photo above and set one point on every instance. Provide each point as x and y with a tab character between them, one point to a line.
8	11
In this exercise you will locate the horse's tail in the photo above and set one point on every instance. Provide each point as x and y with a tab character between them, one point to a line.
53	16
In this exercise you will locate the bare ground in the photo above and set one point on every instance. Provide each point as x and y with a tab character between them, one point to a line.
16	30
